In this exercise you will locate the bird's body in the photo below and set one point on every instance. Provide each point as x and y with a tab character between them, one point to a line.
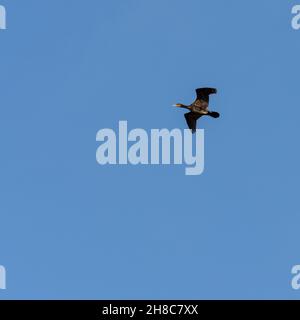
199	107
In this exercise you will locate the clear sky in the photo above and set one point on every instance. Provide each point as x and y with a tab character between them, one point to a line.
70	228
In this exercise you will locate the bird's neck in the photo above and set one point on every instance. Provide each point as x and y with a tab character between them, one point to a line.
185	107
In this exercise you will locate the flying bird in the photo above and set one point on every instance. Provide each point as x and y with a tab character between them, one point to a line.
199	107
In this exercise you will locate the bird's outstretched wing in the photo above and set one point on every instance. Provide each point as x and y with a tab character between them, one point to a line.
203	93
191	120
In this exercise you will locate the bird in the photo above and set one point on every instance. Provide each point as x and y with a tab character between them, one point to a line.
199	107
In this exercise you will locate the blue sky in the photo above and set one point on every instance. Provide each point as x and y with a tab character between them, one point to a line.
73	229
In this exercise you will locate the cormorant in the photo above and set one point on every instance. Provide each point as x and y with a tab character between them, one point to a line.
199	107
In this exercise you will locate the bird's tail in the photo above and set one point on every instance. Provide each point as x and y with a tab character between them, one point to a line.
214	114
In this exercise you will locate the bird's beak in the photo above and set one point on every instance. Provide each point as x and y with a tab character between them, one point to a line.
176	105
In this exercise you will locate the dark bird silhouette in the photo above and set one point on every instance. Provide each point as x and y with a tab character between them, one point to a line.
199	107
